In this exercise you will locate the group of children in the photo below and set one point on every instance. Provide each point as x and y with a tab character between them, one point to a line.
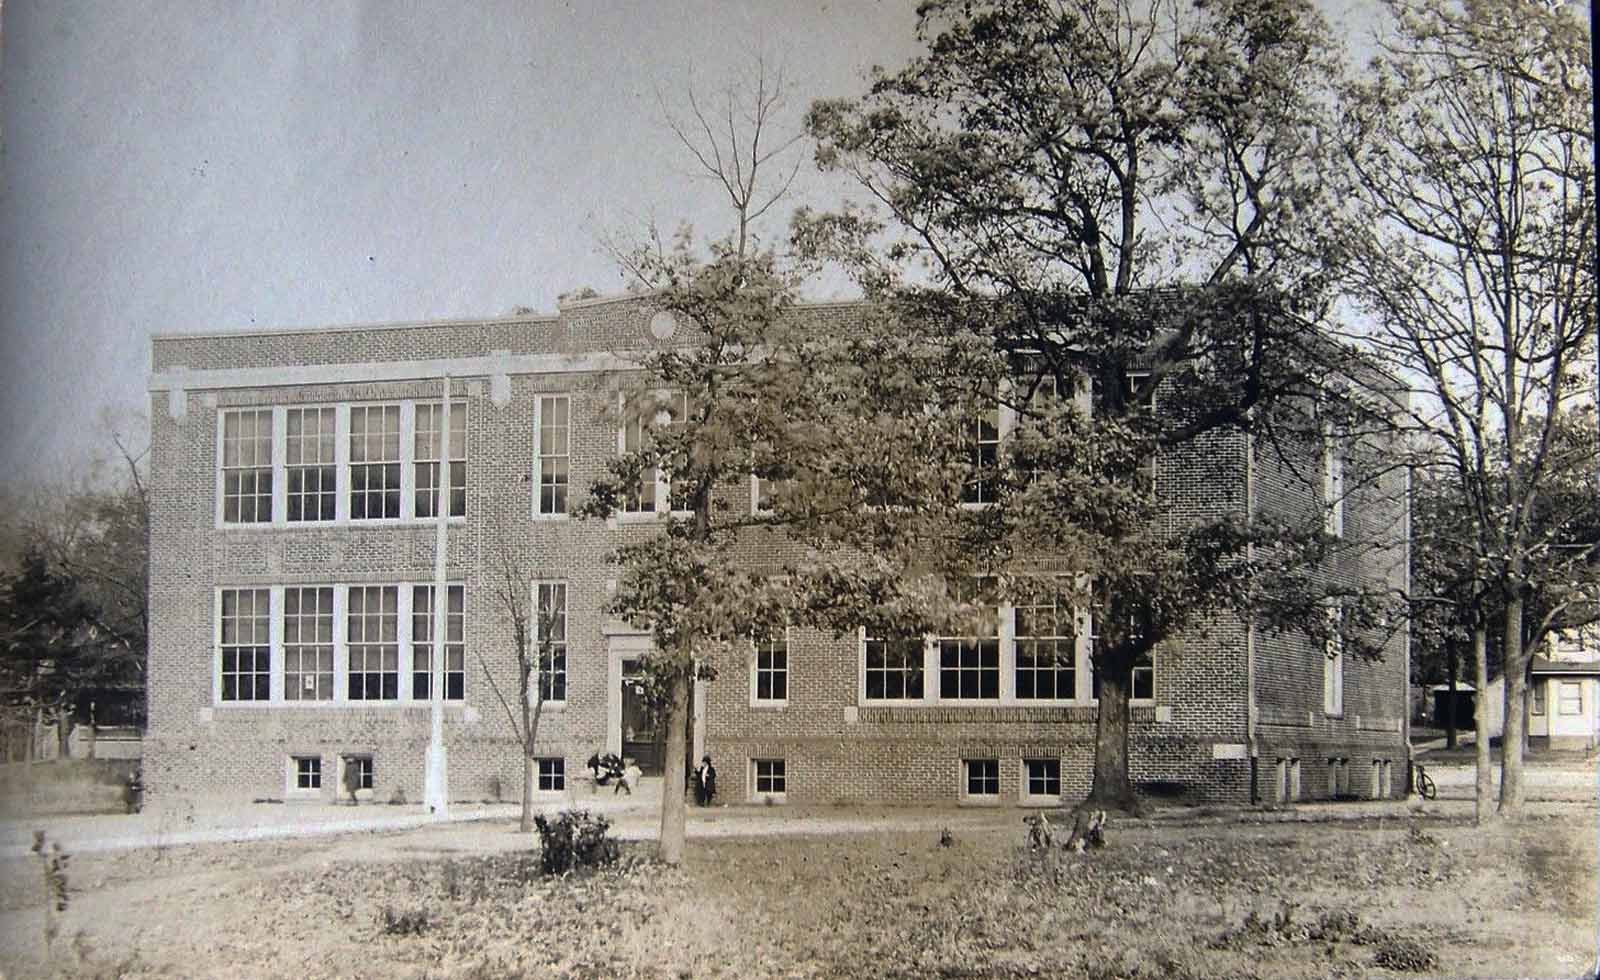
609	770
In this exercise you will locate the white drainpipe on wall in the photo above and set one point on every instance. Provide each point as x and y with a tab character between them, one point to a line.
436	794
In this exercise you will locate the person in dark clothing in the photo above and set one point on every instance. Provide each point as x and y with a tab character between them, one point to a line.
705	782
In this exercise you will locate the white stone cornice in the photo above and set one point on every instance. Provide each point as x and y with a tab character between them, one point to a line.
372	371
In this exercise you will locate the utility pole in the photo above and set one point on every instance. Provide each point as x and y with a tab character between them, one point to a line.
436	795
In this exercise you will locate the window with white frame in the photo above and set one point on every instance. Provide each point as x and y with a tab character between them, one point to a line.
306	771
1569	698
308	643
770	664
969	666
372	639
894	666
981	443
644	415
1041	778
427	444
311	464
375	464
550	639
1333	663
422	641
552	775
246	644
1046	646
247	466
1536	696
553	453
982	778
770	777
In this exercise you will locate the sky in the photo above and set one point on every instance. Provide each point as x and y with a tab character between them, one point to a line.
180	167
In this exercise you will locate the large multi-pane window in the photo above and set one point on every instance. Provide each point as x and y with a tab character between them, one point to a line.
310	463
372	618
550	638
423	622
772	669
247	466
374	462
893	666
554	453
427	443
1046	663
308	643
246	640
969	666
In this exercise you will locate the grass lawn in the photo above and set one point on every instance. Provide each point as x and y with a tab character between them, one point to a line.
1206	898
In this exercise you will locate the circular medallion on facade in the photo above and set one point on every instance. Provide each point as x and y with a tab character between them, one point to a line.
663	325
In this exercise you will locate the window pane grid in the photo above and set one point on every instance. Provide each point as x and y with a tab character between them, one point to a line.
247	466
550	638
552	775
426	444
308	644
1044	777
771	776
1046	649
307	772
422	643
983	777
374	462
310	463
772	670
246	645
982	437
894	668
372	624
554	453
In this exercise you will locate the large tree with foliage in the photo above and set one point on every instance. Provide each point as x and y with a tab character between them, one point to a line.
1472	250
1131	193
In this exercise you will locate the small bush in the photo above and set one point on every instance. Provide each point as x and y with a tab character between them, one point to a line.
1405	954
574	839
405	922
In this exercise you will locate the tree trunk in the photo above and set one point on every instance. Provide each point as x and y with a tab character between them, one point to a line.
530	732
1485	765
64	728
525	824
674	811
1511	737
1112	788
1454	669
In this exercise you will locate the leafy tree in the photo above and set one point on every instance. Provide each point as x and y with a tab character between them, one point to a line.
1129	194
1472	251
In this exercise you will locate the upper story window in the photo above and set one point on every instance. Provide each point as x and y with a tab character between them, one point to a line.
643	416
1047	648
423	622
308	643
245	637
374	462
553	454
1333	663
969	666
427	443
311	464
372	638
981	442
247	466
894	666
303	464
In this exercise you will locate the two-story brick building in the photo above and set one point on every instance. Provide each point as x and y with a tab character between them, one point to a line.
293	601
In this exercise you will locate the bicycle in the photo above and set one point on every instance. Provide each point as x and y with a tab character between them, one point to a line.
1422	783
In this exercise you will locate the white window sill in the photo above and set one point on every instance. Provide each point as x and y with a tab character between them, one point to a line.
1027	799
347	523
979	801
769	705
449	706
770	799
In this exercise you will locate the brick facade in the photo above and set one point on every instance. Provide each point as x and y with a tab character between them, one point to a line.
1226	709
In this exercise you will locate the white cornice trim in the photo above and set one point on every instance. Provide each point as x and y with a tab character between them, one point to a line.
180	378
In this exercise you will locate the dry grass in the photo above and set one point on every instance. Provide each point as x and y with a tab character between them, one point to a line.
1208	900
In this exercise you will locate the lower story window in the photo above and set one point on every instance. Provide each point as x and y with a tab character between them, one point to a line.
1044	777
983	777
358	772
552	775
771	777
307	772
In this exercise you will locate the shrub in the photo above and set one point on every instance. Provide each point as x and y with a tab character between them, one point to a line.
574	839
1406	955
406	922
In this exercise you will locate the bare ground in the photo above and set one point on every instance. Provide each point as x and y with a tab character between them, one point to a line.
877	897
